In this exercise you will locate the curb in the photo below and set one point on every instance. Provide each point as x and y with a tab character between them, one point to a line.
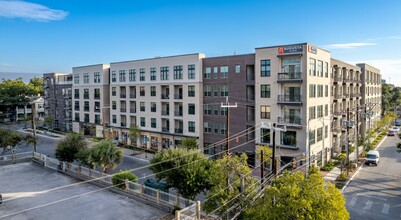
41	135
349	181
137	158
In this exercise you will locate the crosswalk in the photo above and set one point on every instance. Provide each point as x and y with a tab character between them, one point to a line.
371	204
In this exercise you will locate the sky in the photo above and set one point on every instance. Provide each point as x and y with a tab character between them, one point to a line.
40	36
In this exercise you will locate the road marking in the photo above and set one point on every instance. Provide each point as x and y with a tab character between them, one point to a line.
368	205
385	209
353	201
369	196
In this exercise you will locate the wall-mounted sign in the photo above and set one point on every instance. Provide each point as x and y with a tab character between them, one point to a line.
290	49
312	49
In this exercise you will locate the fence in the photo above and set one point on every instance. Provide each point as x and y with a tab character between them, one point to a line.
14	158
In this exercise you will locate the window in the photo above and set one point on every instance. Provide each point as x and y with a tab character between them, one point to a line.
76	78
207	127
311	137
223	111
114	119
97	119
326	70
265	112
86	118
265	68
216	109
86	78
326	91
326	110
142	74
113	91
320	68
114	105
265	91
113	76
142	90
76	117
191	71
76	106
319	91
320	111
216	128
312	67
288	138
153	91
312	113
153	122
326	131
132	75
207	73
143	121
177	72
164	73
207	91
191	126
191	91
312	91
191	109
224	90
122	75
216	90
86	93
153	73
97	106
237	68
292	67
223	129
216	72
86	106
96	78
224	71
207	110
319	134
265	135
153	106
142	106
76	93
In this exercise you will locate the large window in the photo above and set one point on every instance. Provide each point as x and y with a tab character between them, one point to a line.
191	91
207	127
265	135
132	75
96	78
311	137
216	109
76	78
216	72
164	73
191	71
265	68
113	76
153	123
207	90
312	67
76	106
237	68
177	72
76	93
288	138
319	91
320	111
113	91
319	68
207	110
326	110
191	126
97	94
265	91
208	71
86	118
142	74
319	134
312	113
326	70
114	118
142	91
216	90
326	131
86	93
224	90
265	112
142	106
153	91
86	106
191	109
326	91
153	73
224	71
114	105
122	75
292	67
216	128
312	91
143	121
153	106
86	78
223	111
223	129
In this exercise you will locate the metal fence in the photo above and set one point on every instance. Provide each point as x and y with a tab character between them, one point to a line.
13	158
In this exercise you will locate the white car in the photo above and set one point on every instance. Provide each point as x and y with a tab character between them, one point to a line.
395	129
372	156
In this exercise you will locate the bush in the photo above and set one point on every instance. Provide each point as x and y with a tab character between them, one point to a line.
313	170
118	179
339	185
342	177
328	166
351	148
363	154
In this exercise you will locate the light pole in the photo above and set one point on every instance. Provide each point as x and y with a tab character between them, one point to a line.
103	120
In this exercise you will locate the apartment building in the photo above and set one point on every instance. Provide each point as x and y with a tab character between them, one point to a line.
91	100
292	87
58	99
371	94
162	96
231	77
346	100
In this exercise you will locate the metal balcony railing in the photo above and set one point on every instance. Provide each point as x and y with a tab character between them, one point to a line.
289	76
289	98
290	119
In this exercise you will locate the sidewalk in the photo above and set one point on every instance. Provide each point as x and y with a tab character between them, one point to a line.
137	154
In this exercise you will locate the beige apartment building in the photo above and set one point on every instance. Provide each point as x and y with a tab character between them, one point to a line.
90	88
292	87
162	95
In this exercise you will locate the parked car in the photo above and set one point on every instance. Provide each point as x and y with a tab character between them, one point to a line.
396	129
391	133
372	156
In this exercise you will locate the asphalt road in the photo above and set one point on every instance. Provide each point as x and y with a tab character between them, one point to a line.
375	192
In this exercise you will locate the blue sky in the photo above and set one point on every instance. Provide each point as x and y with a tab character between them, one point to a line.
53	36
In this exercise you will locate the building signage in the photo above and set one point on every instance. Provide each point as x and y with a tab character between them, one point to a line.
290	49
312	49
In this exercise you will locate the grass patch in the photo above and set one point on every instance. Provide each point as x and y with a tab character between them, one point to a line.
339	185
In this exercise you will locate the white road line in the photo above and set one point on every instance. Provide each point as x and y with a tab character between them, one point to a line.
385	209
353	201
371	196
368	205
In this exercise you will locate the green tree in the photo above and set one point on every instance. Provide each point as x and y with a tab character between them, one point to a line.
106	155
189	143
296	197
118	179
134	134
232	182
9	140
68	148
342	159
49	121
386	98
35	86
188	171
14	92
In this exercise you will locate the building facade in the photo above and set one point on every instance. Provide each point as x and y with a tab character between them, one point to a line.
91	99
162	96
57	99
229	78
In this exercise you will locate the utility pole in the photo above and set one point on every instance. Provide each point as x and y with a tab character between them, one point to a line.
34	126
347	140
261	169
228	106
274	167
357	133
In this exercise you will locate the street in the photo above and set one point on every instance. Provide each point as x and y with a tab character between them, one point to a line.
375	192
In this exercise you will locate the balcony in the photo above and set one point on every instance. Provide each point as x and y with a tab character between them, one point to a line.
290	120
346	96
294	100
123	110
123	96
289	77
338	79
337	114
337	96
165	96
178	131
166	129
177	113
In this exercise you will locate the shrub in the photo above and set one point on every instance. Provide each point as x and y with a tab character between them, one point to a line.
342	177
363	154
339	185
351	148
328	166
313	170
118	179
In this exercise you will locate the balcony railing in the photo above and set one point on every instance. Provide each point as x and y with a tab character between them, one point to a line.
178	131
178	96
165	112
177	113
289	98
123	95
165	96
289	76
338	79
290	119
338	96
165	129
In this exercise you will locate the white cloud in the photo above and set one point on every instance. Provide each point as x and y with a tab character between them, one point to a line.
388	68
30	11
348	45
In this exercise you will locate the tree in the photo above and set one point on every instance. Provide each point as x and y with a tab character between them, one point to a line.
267	154
188	171
13	139
342	159
118	179
49	121
16	92
232	182
134	133
68	148
296	197
189	143
106	155
386	98
35	86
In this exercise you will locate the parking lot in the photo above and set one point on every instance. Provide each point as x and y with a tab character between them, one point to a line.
27	194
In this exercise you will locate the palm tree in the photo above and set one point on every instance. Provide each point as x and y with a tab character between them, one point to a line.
106	155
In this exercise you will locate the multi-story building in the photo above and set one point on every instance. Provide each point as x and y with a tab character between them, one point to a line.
232	77
91	100
292	87
346	97
57	99
162	96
